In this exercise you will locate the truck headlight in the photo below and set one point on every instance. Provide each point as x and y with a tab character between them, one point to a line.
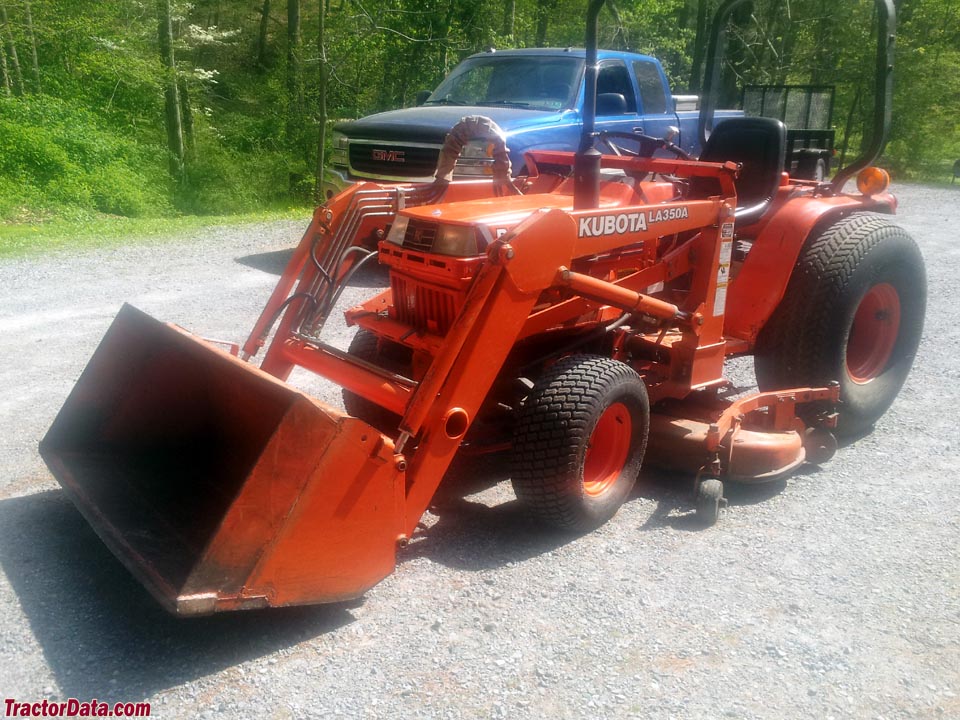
339	154
456	240
476	158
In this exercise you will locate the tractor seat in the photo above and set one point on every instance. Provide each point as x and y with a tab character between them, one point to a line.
759	145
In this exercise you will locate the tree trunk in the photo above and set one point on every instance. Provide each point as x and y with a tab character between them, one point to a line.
822	55
321	105
699	48
186	113
262	35
509	17
7	91
620	41
544	8
35	66
170	93
294	76
11	51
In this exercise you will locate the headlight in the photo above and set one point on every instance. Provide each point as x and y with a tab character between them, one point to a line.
339	154
398	230
476	158
456	240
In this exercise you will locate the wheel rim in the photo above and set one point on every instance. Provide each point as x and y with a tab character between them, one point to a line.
607	450
876	325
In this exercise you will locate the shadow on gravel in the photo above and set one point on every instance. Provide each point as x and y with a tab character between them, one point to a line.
675	503
269	262
102	634
471	535
475	536
370	275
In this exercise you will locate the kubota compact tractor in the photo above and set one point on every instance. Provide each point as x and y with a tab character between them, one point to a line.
578	318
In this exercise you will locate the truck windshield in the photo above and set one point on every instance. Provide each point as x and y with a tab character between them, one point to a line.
532	83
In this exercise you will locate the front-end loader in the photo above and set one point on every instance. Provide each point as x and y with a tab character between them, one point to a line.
578	318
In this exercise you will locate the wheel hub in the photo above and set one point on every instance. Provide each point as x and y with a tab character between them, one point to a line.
873	335
607	450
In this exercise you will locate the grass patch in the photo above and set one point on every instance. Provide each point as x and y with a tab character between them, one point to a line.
58	234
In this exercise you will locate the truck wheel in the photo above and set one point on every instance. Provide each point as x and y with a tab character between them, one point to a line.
387	355
852	312
579	441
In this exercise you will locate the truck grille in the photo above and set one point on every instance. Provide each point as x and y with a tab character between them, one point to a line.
424	307
393	160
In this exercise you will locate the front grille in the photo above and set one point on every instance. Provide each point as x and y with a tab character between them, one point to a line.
424	307
394	160
420	235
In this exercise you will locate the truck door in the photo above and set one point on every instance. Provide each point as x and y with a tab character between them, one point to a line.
616	99
656	115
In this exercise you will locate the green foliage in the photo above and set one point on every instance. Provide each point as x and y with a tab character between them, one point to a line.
57	154
89	139
223	181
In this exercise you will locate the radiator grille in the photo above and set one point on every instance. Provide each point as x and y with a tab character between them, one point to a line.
394	160
425	307
420	235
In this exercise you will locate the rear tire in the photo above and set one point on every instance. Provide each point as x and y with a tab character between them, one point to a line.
384	354
579	441
852	312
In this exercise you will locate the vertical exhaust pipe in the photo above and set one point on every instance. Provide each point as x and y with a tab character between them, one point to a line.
586	166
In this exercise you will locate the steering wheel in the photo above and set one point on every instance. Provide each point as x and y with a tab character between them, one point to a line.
648	144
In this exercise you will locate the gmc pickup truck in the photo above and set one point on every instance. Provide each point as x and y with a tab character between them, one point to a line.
535	95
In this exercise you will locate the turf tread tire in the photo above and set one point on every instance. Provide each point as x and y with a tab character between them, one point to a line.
553	429
804	342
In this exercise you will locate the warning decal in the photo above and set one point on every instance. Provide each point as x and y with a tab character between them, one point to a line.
723	276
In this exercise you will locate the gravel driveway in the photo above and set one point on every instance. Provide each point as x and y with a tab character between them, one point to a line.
834	594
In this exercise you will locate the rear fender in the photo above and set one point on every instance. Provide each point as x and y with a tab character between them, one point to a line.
761	282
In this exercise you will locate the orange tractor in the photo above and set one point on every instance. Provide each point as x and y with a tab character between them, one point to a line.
578	317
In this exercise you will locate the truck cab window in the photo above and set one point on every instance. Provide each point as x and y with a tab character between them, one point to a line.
614	78
653	100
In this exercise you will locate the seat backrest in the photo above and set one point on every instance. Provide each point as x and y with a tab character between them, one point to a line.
759	145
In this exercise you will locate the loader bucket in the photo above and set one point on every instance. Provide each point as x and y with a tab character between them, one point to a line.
217	485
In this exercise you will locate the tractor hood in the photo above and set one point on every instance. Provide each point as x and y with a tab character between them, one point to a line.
431	123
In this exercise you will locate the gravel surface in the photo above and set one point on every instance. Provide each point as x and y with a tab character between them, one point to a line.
834	594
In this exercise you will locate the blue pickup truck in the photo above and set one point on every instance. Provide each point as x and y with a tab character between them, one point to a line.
535	95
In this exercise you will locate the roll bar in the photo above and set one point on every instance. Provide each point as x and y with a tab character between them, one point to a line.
882	93
883	90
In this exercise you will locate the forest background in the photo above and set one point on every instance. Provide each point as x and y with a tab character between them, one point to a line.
162	108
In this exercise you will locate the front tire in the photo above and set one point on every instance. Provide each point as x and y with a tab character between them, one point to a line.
387	355
579	441
853	313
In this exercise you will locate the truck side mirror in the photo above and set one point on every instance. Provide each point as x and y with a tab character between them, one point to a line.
422	97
